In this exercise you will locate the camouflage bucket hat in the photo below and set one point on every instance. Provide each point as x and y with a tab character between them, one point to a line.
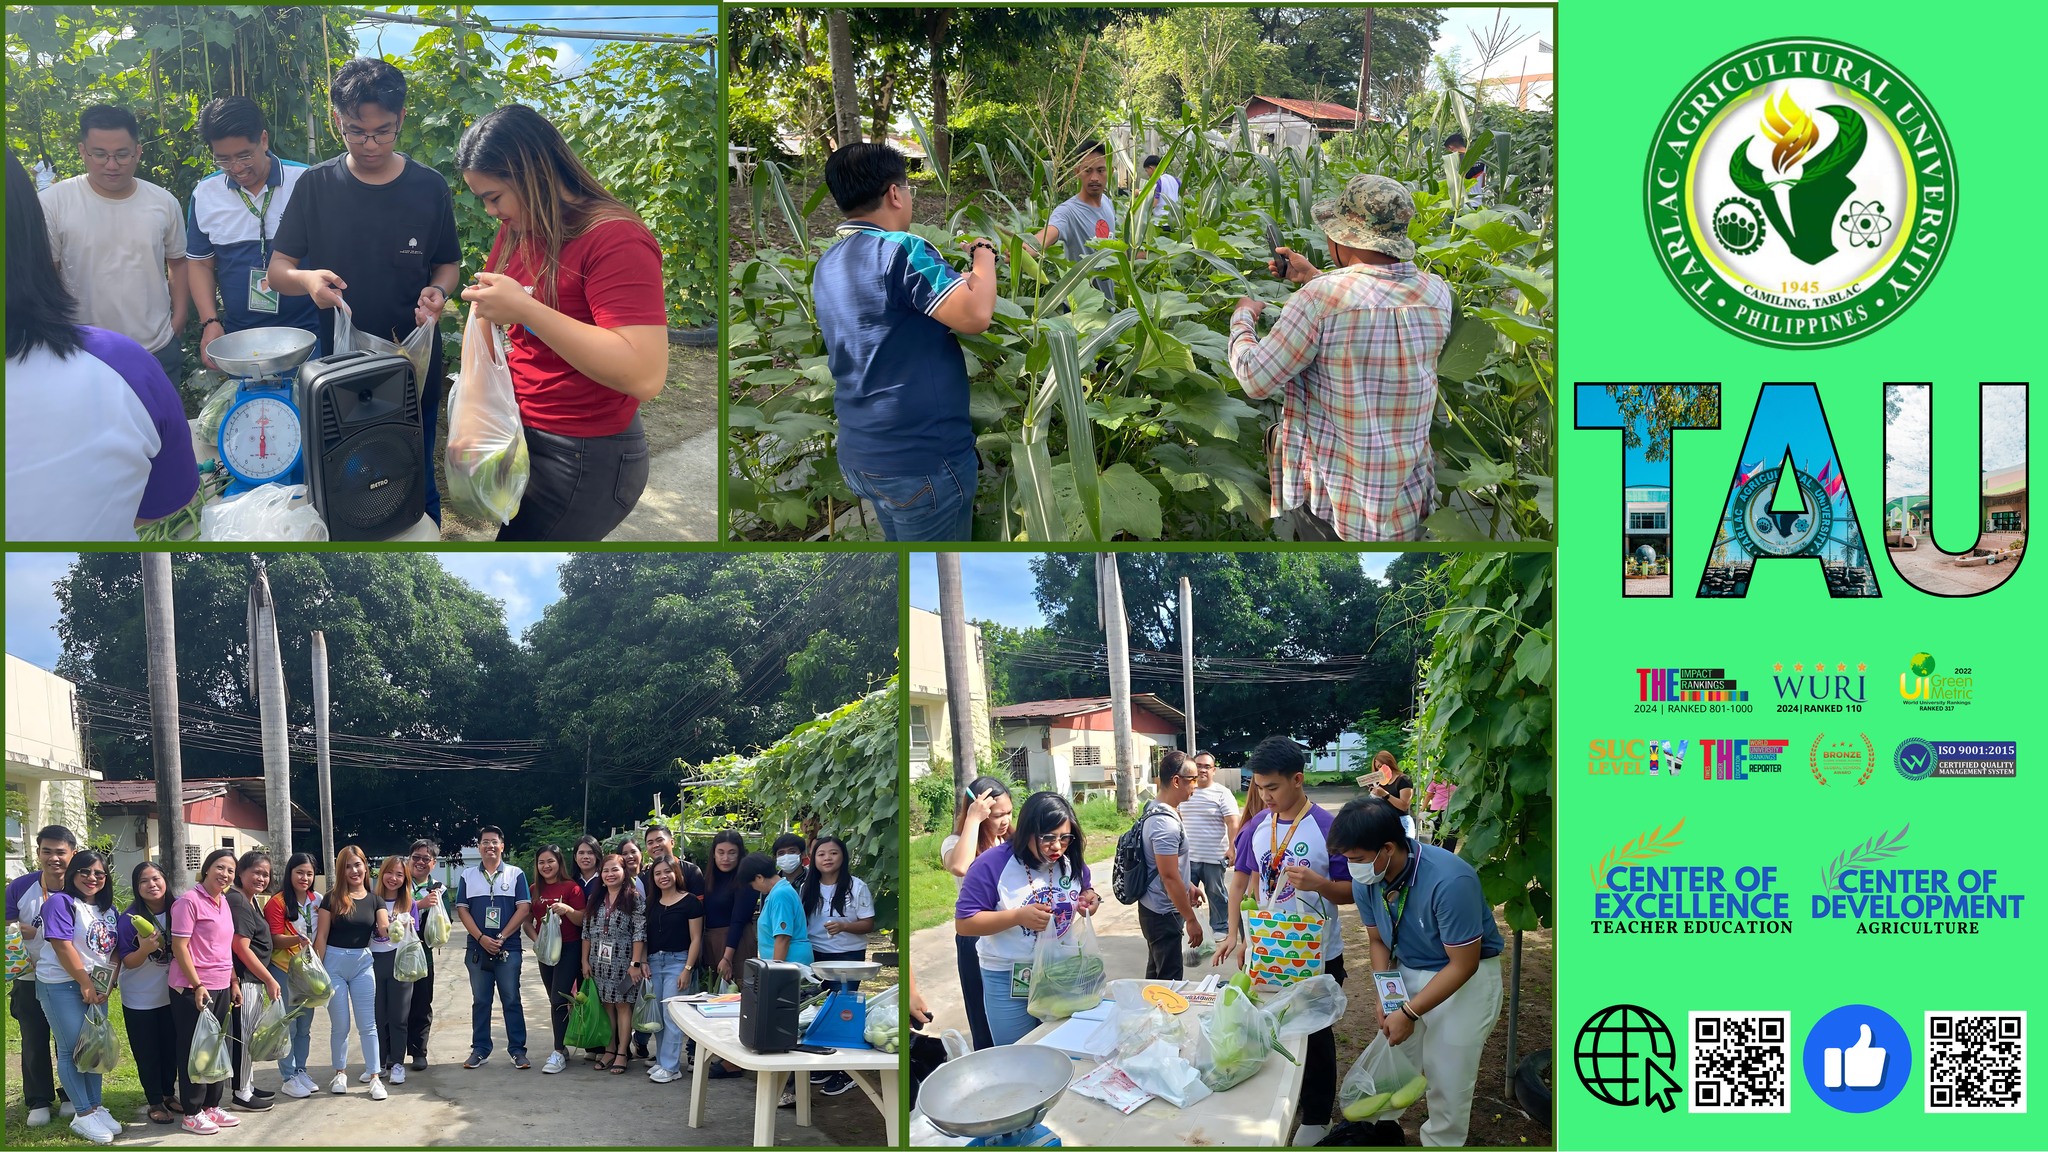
1371	213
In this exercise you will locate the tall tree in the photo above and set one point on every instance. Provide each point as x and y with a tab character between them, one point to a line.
845	106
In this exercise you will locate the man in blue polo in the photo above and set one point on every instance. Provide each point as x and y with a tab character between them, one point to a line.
493	901
888	307
229	226
1427	918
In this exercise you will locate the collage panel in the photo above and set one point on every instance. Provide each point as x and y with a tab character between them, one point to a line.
1238	848
1090	273
420	274
590	849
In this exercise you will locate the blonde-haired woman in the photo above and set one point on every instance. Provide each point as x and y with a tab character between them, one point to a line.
394	996
349	920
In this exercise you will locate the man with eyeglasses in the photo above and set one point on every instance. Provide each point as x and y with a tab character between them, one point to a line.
120	241
231	223
493	900
25	897
375	229
426	892
1167	908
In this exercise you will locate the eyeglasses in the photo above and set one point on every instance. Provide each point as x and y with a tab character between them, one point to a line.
240	160
423	859
121	157
1186	776
381	136
1056	838
92	874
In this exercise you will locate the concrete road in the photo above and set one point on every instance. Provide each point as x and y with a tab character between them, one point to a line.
497	1105
681	500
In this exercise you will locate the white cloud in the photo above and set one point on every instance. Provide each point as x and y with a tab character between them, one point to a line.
2004	436
527	582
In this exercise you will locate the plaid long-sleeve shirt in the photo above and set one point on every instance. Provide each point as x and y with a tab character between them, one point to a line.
1356	350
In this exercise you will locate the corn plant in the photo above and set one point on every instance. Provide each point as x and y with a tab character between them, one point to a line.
1102	397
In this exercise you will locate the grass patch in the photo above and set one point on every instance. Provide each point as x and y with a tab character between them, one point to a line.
933	891
120	1090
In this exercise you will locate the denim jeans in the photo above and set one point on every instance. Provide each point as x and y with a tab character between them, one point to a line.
503	977
934	505
65	1009
579	487
172	359
1008	1022
294	1062
665	967
1213	876
355	995
38	1080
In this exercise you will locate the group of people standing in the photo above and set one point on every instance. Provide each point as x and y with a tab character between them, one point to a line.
106	270
227	942
1023	872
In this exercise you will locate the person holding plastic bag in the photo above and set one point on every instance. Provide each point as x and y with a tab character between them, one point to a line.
294	919
73	973
1424	911
394	996
560	900
1035	883
202	982
145	951
576	279
253	951
350	918
435	929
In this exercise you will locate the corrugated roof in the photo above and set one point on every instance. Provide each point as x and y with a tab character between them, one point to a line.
1313	109
1081	706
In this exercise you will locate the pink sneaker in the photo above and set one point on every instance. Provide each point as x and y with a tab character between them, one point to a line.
199	1125
222	1119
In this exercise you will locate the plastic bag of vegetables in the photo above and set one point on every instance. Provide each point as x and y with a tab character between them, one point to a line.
308	979
548	949
486	464
884	1030
409	963
213	411
435	929
96	1050
589	1026
1240	1034
647	1010
1381	1084
271	1039
1067	975
210	1062
1309	1006
417	348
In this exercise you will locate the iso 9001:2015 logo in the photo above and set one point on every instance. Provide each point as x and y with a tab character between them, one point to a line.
1800	193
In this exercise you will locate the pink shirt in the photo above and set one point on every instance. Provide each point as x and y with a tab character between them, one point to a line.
209	928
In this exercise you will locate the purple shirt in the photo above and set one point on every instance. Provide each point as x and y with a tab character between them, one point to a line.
998	881
88	930
1307	843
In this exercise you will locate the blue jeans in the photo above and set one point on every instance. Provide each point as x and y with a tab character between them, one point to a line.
1213	876
355	994
935	505
1008	1022
503	976
65	1009
294	1062
665	967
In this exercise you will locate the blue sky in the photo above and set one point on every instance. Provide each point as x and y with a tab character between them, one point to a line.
1595	406
999	586
527	582
398	39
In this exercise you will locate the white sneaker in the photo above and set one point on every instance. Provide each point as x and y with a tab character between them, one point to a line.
1309	1135
37	1117
222	1118
397	1074
307	1082
199	1126
339	1085
662	1075
296	1088
377	1091
106	1120
555	1064
85	1126
366	1077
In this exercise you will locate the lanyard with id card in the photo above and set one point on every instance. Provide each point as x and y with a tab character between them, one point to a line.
262	297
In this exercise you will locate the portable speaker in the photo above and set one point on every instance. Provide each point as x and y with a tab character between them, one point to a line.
768	1003
366	464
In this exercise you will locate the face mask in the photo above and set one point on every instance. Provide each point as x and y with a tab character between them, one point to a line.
787	864
1372	874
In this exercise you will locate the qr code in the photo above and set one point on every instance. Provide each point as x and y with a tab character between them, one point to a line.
1977	1062
1738	1062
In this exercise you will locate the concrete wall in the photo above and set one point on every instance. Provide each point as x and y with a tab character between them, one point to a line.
925	677
45	763
1054	768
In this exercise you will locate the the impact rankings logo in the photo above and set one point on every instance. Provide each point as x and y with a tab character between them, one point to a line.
1800	192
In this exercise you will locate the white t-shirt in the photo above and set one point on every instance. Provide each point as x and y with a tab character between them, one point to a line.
1307	843
1167	191
111	254
998	881
860	904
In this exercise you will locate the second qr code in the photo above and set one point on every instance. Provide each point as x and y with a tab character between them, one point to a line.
1739	1062
1977	1062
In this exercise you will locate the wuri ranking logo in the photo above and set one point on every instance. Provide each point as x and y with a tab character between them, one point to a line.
1800	193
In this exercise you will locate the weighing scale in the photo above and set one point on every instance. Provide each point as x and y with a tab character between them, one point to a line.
997	1097
261	438
842	1018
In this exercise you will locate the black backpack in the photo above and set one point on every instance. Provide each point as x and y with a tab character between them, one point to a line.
1133	868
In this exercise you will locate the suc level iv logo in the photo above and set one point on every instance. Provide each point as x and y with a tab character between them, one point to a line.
1800	193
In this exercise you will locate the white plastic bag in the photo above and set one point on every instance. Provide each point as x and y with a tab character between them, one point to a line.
486	463
418	347
1161	1070
435	931
1381	1071
210	1061
548	949
270	512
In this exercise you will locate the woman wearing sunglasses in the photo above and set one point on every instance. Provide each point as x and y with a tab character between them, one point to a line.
1014	891
74	973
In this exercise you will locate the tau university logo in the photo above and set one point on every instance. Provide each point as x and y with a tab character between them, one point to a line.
1800	193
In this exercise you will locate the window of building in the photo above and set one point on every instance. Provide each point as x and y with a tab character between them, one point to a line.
920	732
1087	757
1020	760
2005	521
1646	521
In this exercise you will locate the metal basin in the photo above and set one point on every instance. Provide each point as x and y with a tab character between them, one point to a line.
996	1090
845	971
256	352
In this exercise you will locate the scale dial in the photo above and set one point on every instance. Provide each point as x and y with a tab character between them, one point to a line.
260	439
1765	533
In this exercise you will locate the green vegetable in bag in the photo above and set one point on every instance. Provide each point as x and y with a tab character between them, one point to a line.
589	1027
1240	1035
884	1027
308	979
96	1050
436	928
1067	974
647	1010
214	411
210	1062
548	949
410	962
486	460
271	1039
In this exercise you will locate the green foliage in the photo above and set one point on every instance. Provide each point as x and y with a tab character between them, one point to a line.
1201	59
1650	412
540	830
982	124
1486	722
750	122
931	801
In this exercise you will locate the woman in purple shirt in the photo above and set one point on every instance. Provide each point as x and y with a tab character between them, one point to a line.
75	973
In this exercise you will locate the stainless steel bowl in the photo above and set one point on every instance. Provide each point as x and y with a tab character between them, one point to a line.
845	971
996	1090
255	352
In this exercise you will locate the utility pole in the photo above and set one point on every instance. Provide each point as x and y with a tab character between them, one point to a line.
586	780
322	767
1110	595
1365	74
266	675
959	685
161	629
1187	660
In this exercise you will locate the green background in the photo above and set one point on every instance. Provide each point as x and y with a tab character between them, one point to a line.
1621	67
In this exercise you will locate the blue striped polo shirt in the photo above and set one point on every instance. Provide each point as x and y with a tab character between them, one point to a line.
220	223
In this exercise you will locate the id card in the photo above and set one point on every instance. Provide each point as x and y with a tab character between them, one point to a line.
1020	981
492	918
262	297
604	950
1392	991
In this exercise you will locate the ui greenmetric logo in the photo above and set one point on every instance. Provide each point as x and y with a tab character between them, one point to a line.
1800	193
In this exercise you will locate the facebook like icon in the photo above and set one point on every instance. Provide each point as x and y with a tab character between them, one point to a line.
1857	1059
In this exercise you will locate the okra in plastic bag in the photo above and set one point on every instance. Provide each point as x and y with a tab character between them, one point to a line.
1067	974
486	464
210	1062
96	1050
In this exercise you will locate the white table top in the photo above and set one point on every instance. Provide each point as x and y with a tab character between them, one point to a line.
722	1036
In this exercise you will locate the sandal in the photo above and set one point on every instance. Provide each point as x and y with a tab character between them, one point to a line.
603	1062
620	1063
159	1115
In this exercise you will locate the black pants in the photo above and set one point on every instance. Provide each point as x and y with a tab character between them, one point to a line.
394	1009
968	960
560	982
579	488
194	1098
1164	934
1319	1073
153	1038
38	1074
418	1017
